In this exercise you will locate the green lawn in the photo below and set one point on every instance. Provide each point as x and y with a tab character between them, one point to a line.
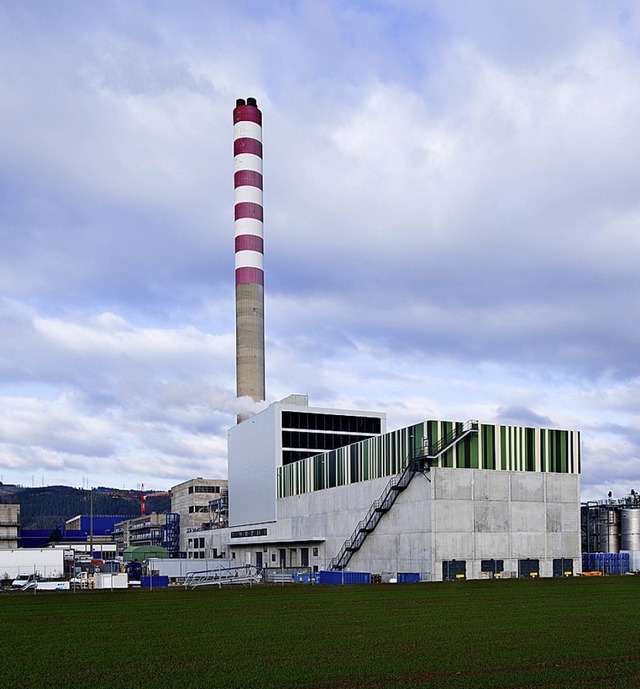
545	633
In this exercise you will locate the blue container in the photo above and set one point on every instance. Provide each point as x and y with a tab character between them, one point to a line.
408	577
156	582
339	578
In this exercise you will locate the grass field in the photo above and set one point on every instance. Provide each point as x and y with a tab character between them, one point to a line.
545	633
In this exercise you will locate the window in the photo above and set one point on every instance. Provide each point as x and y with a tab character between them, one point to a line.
315	552
331	422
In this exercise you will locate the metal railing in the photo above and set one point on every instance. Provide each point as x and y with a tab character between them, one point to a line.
245	575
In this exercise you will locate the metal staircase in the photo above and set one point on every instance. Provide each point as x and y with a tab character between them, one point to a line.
419	460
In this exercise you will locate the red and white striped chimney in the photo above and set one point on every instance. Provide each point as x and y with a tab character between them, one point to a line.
247	151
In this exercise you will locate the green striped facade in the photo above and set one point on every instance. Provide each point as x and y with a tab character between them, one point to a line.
500	448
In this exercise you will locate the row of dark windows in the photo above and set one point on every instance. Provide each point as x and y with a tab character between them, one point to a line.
331	422
204	489
318	441
248	533
291	456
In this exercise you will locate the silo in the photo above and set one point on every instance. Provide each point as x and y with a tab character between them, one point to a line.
609	530
630	528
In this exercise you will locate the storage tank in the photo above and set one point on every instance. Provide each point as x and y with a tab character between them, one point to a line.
630	528
609	530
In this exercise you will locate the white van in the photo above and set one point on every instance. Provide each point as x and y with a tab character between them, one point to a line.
22	580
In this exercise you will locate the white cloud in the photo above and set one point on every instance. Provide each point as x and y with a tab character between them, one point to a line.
450	222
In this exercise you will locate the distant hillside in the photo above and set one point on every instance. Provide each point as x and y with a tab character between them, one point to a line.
44	508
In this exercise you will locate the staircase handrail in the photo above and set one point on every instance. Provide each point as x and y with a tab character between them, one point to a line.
455	435
413	463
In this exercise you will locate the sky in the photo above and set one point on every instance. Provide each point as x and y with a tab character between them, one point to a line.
451	224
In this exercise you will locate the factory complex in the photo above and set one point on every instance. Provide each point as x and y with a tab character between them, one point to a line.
332	489
322	490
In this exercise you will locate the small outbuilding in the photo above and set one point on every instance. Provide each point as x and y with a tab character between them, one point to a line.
144	552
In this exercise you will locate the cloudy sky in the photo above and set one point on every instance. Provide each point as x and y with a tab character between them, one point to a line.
451	223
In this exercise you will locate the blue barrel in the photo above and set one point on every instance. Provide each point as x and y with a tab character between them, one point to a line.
625	563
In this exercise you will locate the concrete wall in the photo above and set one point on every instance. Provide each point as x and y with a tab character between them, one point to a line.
462	514
253	447
505	516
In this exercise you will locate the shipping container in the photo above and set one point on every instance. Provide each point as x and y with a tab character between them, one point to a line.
408	577
111	580
155	581
338	578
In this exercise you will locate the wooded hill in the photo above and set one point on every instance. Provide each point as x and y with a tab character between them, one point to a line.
51	506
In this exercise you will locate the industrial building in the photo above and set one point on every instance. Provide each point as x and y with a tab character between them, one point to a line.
150	530
333	489
9	526
611	528
444	499
197	502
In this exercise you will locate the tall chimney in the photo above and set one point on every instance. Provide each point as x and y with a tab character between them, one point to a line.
247	151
